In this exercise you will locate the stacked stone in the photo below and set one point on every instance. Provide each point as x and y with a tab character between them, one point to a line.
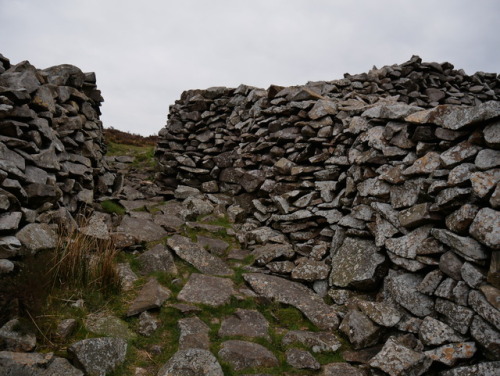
51	152
384	182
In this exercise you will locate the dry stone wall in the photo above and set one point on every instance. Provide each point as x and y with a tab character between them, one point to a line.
51	153
384	183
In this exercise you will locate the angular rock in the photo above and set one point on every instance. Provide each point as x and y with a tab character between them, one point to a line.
151	296
486	227
317	342
452	353
458	154
9	246
344	369
430	282
295	294
381	313
392	111
424	165
464	246
433	332
192	362
483	369
99	356
484	182
310	270
407	245
460	220
479	304
451	265
301	359
147	324
198	257
487	159
194	334
360	330
456	316
13	339
127	276
267	253
241	355
143	230
157	259
403	289
357	263
486	336
417	215
216	246
36	237
245	323
397	359
205	289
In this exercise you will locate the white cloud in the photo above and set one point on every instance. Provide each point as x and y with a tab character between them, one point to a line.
146	53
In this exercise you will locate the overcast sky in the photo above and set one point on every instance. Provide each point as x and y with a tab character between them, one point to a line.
146	52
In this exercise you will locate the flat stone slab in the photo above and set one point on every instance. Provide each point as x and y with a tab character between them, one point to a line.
242	354
194	254
157	259
37	237
194	334
316	341
344	369
143	230
245	323
297	295
206	289
99	356
192	362
152	295
301	359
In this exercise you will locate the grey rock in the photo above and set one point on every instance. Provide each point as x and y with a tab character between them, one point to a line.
246	323
310	270
452	197
487	158
391	111
191	362
454	117
452	353
460	220
205	289
424	165
99	356
35	364
9	246
267	253
281	267
10	221
483	369
466	247
451	265
456	316
127	276
483	182
194	254
152	295
486	227
143	230
322	108
492	295
433	332
403	289
317	342
108	325
295	294
344	369
157	259
430	282
479	304
96	227
6	266
357	263
459	153
492	135
486	336
194	334
472	275
216	246
301	359
147	324
381	313
241	355
12	339
182	192
407	245
360	330
170	223
397	359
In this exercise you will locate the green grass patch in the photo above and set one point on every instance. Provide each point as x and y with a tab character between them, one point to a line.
112	207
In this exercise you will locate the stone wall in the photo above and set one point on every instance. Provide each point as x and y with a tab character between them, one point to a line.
51	153
385	183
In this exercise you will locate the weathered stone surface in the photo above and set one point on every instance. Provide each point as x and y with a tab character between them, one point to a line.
357	263
453	117
310	270
127	276
483	369
35	364
241	355
463	246
267	253
191	362
13	339
472	275
317	342
451	265
478	303
486	227
484	182
492	295
360	330
194	334
417	215
143	230
433	332
301	359
460	220
205	289
99	356
403	289
430	282
456	316
407	245
452	353
147	324
486	336
202	260
215	246
36	237
487	159
397	359
424	165
295	294
381	313
344	369
152	295
9	246
157	259
245	323
392	111
10	221
458	153
108	325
